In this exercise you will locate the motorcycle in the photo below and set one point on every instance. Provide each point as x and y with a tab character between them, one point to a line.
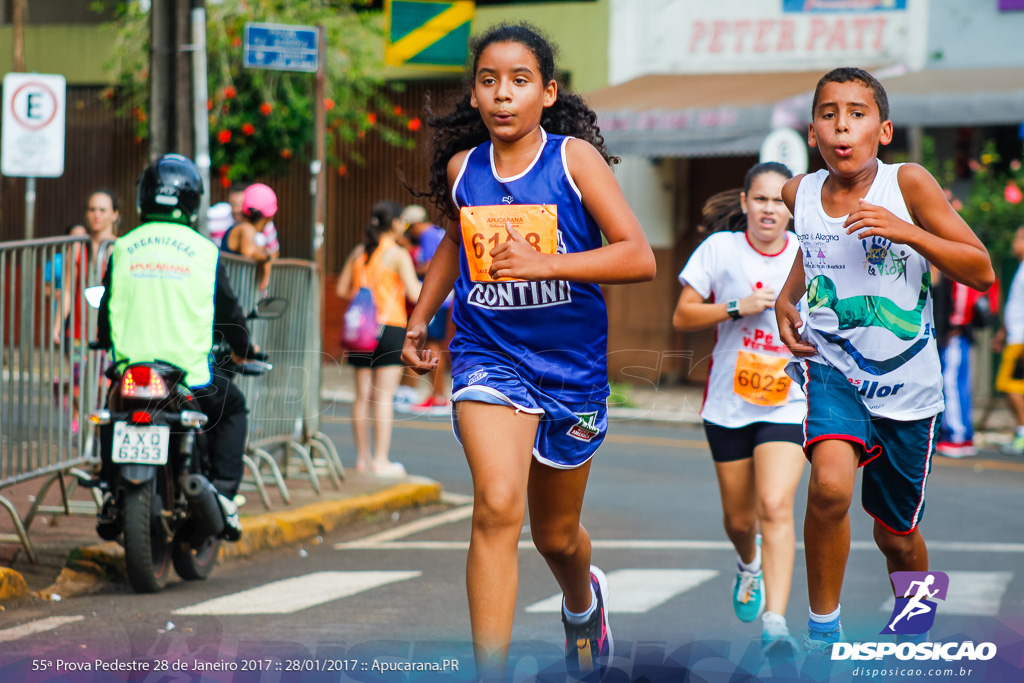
159	501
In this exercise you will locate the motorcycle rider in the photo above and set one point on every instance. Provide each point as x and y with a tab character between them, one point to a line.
167	296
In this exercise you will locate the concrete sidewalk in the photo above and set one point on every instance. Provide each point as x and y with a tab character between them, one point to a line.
679	404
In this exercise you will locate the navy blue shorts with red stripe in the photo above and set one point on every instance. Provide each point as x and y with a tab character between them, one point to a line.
896	455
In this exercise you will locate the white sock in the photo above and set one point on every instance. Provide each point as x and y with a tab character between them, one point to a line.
1020	430
829	621
573	617
754	566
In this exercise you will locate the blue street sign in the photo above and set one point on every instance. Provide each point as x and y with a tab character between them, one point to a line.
280	47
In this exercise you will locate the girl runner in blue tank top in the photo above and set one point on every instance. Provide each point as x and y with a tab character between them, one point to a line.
520	168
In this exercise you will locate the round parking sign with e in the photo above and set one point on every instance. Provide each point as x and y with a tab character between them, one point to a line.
32	139
34	105
785	146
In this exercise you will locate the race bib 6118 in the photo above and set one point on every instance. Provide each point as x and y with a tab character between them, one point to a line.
485	227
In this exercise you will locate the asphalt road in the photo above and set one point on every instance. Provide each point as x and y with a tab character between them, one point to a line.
392	590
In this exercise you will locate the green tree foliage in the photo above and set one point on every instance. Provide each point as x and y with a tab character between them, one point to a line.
994	206
259	119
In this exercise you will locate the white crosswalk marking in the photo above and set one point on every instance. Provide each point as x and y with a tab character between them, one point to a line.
635	591
297	593
33	627
970	594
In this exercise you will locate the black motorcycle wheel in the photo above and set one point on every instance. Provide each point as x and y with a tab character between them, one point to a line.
194	562
147	554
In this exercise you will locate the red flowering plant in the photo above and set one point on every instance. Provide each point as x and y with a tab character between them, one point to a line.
260	118
993	206
991	202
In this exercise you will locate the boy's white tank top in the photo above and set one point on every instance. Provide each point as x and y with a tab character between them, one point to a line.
870	304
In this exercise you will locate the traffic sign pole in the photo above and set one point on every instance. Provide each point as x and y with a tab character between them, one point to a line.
30	208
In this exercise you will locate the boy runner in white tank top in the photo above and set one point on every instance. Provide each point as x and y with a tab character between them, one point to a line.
867	360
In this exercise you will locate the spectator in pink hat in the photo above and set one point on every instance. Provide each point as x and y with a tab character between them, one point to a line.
259	204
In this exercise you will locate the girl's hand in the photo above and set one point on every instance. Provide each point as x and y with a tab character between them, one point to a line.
789	330
517	259
415	353
758	301
874	220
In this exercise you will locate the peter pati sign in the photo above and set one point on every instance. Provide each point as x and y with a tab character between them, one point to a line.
697	36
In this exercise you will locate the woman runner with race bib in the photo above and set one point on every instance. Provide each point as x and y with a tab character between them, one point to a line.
752	411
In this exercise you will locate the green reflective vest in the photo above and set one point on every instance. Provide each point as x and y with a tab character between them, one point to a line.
163	284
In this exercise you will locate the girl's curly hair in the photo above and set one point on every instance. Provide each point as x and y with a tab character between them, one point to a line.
463	128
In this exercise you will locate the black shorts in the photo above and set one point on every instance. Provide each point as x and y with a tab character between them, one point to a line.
388	351
729	444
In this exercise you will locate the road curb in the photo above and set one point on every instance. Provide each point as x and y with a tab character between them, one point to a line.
87	568
12	584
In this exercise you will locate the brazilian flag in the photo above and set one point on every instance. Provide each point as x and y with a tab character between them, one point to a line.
428	33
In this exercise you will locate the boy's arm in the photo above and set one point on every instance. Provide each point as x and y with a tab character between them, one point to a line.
785	309
938	233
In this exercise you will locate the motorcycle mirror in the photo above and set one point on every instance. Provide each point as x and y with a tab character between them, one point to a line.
93	295
270	308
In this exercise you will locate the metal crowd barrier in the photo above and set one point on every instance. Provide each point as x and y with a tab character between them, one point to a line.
51	381
48	382
284	403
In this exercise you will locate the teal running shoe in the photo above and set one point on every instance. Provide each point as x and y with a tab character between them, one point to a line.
748	595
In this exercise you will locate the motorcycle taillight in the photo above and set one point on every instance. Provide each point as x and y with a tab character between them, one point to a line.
141	381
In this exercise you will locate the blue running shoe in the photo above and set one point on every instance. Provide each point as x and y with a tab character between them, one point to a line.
588	646
820	642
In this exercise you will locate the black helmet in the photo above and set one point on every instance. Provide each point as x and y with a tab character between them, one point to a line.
170	189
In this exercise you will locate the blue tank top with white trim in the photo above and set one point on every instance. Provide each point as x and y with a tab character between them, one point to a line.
552	333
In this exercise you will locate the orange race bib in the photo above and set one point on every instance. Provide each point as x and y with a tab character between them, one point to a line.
761	379
484	228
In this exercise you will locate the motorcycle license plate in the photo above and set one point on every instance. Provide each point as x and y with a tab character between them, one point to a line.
140	445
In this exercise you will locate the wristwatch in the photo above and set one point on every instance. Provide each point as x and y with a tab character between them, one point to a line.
733	309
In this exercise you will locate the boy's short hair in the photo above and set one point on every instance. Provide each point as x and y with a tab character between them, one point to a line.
847	74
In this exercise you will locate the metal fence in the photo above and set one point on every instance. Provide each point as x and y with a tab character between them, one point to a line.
51	381
49	378
284	404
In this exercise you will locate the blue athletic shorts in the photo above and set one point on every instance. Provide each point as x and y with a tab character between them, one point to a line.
896	455
568	434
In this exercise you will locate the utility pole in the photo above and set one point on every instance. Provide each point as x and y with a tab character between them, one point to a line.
182	138
170	77
18	27
161	77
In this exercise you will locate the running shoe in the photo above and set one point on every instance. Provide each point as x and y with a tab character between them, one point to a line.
588	646
819	643
432	405
748	595
949	449
775	634
818	663
1015	447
